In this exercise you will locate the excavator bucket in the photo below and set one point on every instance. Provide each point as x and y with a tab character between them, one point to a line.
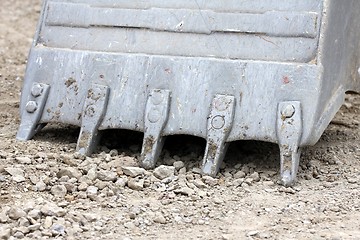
267	70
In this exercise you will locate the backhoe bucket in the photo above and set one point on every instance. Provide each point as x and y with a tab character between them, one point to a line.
268	70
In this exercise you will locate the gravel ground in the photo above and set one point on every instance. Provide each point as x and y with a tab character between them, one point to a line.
49	191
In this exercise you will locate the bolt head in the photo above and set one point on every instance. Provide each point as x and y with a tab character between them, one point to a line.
288	111
31	106
36	90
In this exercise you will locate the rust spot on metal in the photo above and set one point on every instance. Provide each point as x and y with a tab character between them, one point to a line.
286	80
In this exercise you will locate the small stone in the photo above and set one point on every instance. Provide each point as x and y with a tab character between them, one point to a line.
48	222
217	200
210	180
5	233
83	186
57	229
18	234
352	180
129	225
3	217
51	209
70	187
239	174
21	229
163	171
91	174
133	171
16	213
91	217
40	186
107	175
199	183
71	172
121	182
23	160
185	191
255	176
178	165
159	218
136	184
252	233
196	170
23	222
35	214
58	191
16	173
92	192
34	227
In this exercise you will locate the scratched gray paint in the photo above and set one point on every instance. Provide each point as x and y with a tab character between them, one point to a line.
264	54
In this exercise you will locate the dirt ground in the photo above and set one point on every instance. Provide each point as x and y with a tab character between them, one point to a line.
49	191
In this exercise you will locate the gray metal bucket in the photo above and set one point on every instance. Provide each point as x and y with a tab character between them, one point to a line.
269	70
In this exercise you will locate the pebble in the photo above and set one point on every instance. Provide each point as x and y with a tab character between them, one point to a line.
210	180
121	182
71	172
352	180
51	209
58	191
107	175
40	186
252	233
178	165
136	184
255	176
133	171
92	192
159	218
16	173
239	174
23	160
34	227
48	222
163	171
5	233
199	183
58	229
3	217
83	186
91	174
196	170
129	225
185	191
16	213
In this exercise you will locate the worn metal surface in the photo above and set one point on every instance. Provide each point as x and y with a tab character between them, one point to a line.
255	55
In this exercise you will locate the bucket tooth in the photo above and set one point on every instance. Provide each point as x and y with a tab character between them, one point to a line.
92	115
219	125
33	111
289	132
156	116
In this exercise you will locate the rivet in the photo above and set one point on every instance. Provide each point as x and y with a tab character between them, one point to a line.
218	122
36	90
154	115
31	106
157	97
